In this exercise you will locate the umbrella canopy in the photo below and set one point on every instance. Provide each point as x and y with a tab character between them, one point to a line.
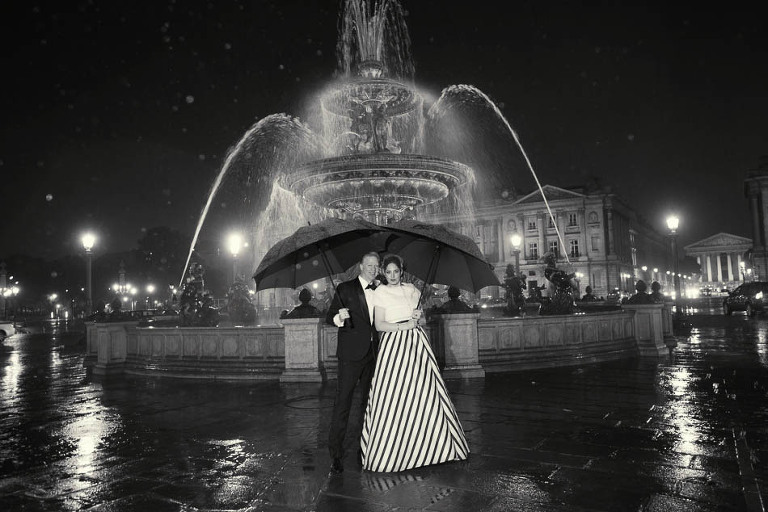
437	255
315	251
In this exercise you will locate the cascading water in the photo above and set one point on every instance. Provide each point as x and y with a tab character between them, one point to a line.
374	151
470	97
273	144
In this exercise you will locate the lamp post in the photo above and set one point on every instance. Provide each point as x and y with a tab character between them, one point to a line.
88	240
516	240
673	221
9	293
150	291
234	243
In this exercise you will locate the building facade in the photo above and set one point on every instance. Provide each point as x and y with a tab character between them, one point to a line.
723	259
756	191
595	234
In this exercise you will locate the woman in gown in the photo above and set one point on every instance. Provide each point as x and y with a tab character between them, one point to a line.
409	420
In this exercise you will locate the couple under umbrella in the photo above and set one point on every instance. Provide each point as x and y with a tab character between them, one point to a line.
409	419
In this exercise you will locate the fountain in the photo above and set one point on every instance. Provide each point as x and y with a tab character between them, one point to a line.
375	150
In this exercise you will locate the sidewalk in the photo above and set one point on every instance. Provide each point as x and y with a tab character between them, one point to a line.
685	433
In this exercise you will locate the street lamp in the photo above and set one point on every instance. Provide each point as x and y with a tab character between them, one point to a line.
88	240
150	291
234	243
516	240
7	294
673	221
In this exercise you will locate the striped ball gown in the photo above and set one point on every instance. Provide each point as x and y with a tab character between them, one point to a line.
409	420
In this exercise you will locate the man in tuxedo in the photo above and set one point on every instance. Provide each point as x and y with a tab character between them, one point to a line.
351	310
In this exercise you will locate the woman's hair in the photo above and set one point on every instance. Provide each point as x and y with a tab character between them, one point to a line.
393	258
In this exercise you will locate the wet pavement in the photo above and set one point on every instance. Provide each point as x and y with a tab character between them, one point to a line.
687	432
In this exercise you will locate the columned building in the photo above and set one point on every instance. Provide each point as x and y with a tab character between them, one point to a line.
723	260
601	239
756	191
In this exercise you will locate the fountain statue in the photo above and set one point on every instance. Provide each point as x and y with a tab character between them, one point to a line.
564	284
195	304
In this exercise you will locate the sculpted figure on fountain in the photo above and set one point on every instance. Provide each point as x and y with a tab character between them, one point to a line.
196	305
562	302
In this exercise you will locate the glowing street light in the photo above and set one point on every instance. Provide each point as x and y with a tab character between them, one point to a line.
673	221
234	244
150	291
88	240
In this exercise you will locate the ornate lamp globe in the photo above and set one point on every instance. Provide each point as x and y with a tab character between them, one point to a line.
88	240
673	221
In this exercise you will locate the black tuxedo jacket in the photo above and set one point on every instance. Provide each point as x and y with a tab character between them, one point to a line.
358	335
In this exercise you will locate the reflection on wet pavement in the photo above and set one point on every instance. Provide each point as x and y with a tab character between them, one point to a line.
683	432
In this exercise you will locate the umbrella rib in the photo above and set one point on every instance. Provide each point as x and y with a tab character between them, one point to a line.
327	265
431	272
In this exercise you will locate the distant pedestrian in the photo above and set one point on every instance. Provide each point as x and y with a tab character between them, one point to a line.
656	294
454	304
305	309
642	296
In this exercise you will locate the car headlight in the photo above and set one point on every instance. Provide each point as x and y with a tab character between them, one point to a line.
759	295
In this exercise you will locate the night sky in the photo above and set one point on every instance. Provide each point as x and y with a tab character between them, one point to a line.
117	115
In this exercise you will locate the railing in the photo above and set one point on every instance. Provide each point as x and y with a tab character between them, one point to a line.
304	350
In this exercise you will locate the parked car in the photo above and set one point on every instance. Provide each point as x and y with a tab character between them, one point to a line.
749	297
7	328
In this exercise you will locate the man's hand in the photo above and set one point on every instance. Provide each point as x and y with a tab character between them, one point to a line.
343	314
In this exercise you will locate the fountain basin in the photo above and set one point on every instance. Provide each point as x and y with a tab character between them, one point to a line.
353	96
377	186
303	350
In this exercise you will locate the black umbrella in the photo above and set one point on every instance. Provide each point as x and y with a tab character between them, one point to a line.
438	255
319	250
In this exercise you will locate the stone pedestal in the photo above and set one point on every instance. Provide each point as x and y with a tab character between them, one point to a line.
668	325
91	344
649	328
459	340
302	350
111	346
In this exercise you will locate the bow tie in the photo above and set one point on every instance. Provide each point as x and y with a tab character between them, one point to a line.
371	286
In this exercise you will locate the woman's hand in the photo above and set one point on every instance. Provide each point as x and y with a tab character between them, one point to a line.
407	325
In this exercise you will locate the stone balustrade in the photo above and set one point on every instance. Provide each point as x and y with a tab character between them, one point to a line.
518	343
304	350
